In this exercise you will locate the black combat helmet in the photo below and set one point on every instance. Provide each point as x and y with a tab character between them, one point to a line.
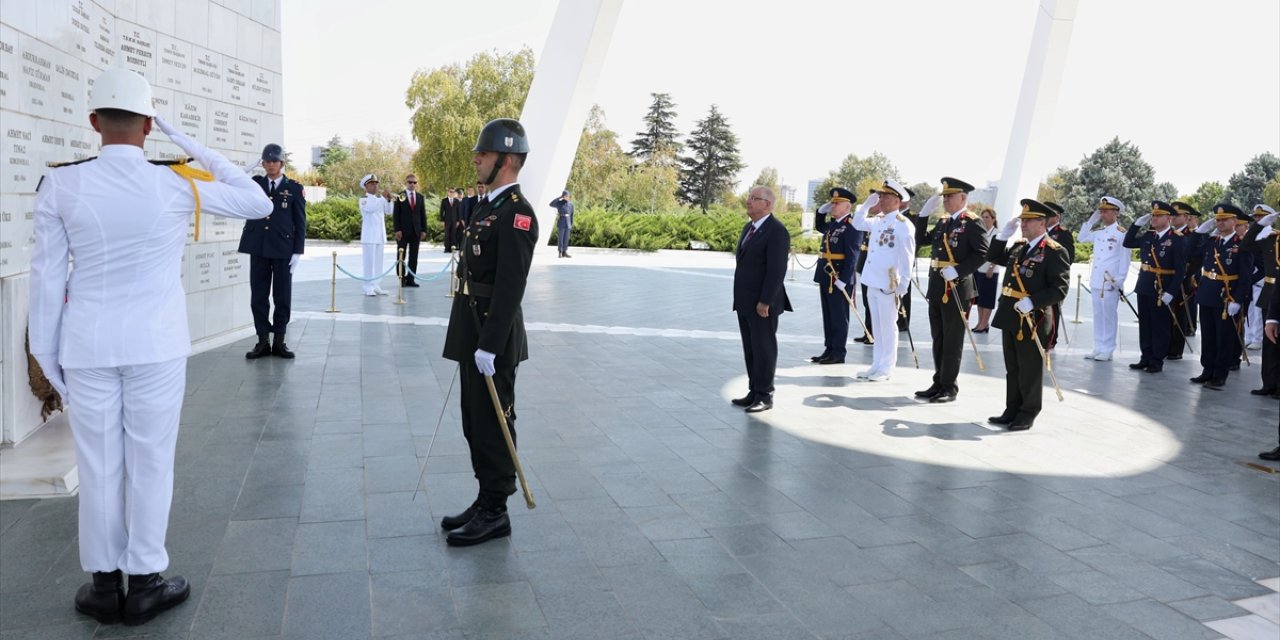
272	153
503	135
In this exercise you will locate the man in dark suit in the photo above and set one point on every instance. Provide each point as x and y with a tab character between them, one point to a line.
449	216
409	221
759	296
274	245
467	206
1273	336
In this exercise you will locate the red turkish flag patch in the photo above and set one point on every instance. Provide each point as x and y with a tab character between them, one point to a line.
523	222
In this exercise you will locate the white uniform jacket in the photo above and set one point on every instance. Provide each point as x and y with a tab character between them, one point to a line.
891	243
1109	255
124	222
374	210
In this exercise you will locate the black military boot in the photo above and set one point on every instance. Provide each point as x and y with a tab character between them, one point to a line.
449	523
263	348
490	522
280	349
150	594
102	599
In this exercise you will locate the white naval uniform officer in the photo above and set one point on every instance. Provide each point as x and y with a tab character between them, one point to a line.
374	209
1110	270
891	247
112	338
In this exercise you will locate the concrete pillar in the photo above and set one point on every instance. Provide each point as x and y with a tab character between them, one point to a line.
1024	164
560	98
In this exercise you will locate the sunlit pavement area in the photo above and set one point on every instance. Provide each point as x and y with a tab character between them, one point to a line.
1136	508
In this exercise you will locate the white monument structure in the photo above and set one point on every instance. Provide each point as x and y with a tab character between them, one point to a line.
215	68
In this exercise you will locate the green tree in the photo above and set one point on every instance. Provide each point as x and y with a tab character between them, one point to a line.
600	164
452	103
1209	194
923	191
648	188
708	171
1271	192
858	175
1245	188
384	156
333	153
658	143
1164	191
768	178
1053	189
1116	169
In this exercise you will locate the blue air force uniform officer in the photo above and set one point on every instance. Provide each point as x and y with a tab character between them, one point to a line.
1162	252
1224	290
836	267
274	245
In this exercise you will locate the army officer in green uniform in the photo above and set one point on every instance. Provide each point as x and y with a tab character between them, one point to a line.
1036	276
486	326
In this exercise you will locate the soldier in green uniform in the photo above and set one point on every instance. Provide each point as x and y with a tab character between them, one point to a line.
1036	277
486	325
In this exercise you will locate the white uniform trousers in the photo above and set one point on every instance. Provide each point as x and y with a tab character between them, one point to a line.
884	328
1253	322
1105	307
372	254
125	424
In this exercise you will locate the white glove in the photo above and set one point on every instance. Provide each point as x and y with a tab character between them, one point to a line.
873	200
1206	226
191	147
1166	298
1142	221
1266	233
249	169
53	372
293	262
1008	230
484	362
1095	218
929	205
1268	219
825	209
841	284
949	273
1024	306
1233	308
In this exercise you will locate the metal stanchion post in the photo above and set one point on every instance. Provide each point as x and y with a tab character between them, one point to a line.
333	287
1078	289
453	274
400	269
791	265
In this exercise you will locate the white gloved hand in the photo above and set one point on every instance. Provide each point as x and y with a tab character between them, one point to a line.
1095	218
1206	226
249	169
825	209
1266	232
930	205
53	372
1142	220
1166	298
841	284
293	262
1268	219
1008	229
1108	287
949	273
189	146
1233	308
1024	306
484	362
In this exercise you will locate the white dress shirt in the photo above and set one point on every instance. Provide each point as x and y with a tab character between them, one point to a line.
124	221
374	210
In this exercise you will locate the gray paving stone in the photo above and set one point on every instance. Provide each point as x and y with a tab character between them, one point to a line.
1159	621
256	545
498	608
334	606
329	547
243	605
412	602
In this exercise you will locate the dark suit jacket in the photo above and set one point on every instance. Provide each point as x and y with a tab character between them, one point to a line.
466	206
762	265
1063	237
449	213
410	220
284	232
1267	255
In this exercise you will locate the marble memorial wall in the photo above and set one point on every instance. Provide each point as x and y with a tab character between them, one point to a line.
215	69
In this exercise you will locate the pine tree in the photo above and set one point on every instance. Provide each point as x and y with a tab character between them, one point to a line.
707	173
1245	188
658	142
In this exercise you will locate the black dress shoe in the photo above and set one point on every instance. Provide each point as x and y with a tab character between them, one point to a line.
1265	391
1201	379
262	349
744	401
760	405
983	330
280	349
862	339
818	358
102	599
1151	368
150	595
1138	365
1020	425
1003	418
491	521
944	396
831	360
932	391
449	523
1178	357
1272	455
566	254
1215	384
1235	367
412	285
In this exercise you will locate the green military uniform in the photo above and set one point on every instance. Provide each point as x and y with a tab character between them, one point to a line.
493	269
1041	271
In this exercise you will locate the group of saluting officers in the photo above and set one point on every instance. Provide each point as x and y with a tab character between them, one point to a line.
1185	266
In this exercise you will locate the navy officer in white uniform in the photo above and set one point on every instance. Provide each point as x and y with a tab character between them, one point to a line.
111	334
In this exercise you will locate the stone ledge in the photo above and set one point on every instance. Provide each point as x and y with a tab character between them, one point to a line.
43	465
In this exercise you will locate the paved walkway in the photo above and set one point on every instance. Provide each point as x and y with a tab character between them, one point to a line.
849	511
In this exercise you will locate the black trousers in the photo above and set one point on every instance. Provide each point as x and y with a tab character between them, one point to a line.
490	459
410	247
1024	375
1270	364
269	278
1219	342
1182	328
947	327
1155	324
835	321
452	234
760	350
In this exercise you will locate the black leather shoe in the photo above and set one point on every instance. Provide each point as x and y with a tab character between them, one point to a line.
1173	357
1138	365
1003	418
818	358
1151	368
862	339
1201	379
449	523
1215	384
1020	425
281	349
491	521
262	349
102	599
150	595
944	396
1263	392
412	285
1235	367
566	254
831	360
744	401
1272	455
760	405
932	391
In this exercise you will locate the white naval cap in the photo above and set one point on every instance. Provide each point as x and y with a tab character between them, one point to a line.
368	177
1107	202
1263	210
124	90
896	188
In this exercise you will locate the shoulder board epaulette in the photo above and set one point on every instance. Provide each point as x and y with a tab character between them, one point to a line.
970	215
1177	233
515	196
1052	244
1018	242
169	163
55	165
1122	229
902	218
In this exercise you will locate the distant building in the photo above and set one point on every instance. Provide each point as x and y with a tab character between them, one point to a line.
809	200
985	195
788	193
